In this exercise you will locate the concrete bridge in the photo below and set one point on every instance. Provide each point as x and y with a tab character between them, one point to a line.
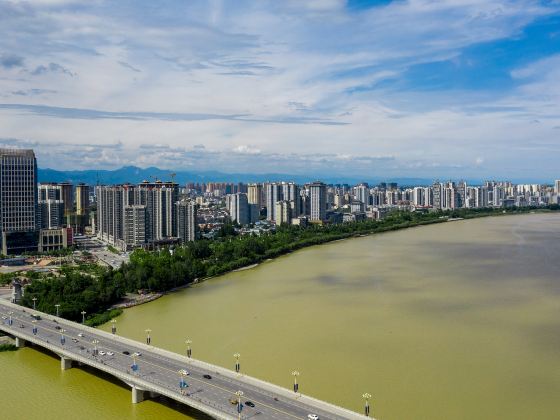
207	388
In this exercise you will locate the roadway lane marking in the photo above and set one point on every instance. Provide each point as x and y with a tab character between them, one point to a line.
55	331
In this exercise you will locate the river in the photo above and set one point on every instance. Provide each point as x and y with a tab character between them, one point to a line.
458	320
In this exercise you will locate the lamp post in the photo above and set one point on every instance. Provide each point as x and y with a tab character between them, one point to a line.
95	343
114	326
57	308
10	321
62	338
295	374
237	365
366	396
83	316
148	338
34	322
239	405
189	350
182	382
34	303
134	366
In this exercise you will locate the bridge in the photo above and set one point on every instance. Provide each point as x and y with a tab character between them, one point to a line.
151	371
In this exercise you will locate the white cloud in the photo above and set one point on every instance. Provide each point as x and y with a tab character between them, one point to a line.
269	64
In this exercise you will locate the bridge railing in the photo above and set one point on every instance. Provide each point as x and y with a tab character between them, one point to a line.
259	383
127	378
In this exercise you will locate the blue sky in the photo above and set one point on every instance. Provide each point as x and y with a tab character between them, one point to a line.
418	88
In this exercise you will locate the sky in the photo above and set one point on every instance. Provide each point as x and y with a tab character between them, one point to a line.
409	88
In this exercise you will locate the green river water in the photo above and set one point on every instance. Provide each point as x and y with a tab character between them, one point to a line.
459	320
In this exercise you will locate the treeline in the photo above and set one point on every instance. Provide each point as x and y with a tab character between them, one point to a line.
160	271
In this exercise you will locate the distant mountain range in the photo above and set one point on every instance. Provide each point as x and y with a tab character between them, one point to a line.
134	175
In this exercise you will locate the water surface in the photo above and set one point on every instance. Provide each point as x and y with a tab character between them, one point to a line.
452	321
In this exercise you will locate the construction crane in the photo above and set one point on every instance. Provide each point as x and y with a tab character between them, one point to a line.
173	175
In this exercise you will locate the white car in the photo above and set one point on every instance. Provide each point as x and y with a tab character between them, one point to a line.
102	353
184	372
137	354
110	353
81	335
313	417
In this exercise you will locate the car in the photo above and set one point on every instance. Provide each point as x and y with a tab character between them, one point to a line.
22	326
137	354
233	400
184	372
4	317
110	353
206	376
57	328
102	353
75	340
81	335
249	403
313	417
126	353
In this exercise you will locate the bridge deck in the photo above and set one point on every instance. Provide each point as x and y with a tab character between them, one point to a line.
158	371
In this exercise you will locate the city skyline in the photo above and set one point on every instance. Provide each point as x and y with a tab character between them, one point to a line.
462	89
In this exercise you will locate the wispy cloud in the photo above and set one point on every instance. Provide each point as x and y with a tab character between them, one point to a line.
269	81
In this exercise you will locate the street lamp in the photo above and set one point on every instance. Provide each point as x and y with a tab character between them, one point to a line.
114	326
148	338
34	327
34	303
295	374
189	351
57	308
239	405
62	338
83	316
134	366
237	365
182	382
95	343
10	321
367	396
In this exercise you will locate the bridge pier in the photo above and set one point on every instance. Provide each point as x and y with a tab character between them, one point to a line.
137	395
20	342
65	363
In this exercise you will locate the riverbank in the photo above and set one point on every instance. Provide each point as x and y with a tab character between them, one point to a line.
164	271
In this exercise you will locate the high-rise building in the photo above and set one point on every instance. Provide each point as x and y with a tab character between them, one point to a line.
135	218
186	220
255	194
111	201
239	208
67	195
50	191
557	187
273	194
362	193
51	213
283	212
82	199
19	217
159	198
318	201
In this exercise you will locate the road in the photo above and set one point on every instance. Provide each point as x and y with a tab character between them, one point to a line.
158	370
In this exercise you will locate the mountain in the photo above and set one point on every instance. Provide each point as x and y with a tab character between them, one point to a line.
134	175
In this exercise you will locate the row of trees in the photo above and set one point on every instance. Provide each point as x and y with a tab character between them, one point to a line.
160	271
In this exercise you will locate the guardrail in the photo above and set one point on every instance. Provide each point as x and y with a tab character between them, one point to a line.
129	379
